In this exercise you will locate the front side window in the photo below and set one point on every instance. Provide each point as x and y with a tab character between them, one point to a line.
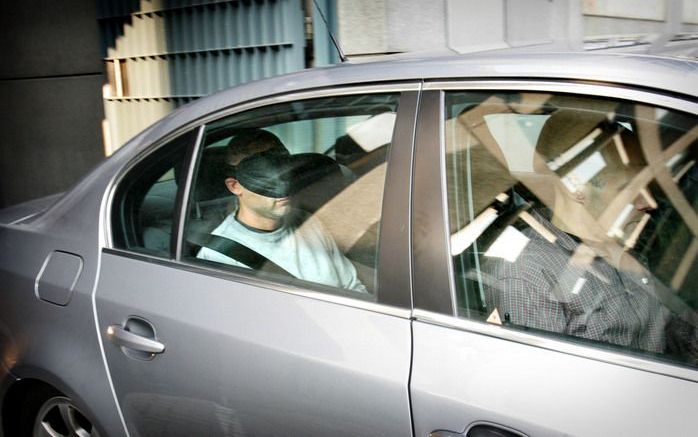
576	217
293	192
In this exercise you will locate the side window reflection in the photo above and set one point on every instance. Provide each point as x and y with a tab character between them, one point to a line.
576	217
293	192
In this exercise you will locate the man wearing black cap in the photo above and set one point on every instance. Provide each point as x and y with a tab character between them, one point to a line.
263	184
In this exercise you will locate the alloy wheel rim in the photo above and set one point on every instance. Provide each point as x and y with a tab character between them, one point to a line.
58	417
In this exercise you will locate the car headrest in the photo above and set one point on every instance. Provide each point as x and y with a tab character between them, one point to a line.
317	178
213	170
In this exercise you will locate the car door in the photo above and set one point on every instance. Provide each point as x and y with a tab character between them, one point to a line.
555	261
197	347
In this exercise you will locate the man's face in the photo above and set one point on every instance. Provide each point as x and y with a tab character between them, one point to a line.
262	206
262	186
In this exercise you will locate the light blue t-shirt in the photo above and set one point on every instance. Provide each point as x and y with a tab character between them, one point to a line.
307	252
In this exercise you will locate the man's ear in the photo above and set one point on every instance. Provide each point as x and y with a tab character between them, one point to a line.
233	186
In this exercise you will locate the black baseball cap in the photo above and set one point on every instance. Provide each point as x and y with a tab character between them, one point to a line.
277	176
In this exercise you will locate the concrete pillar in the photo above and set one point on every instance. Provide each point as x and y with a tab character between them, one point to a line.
50	97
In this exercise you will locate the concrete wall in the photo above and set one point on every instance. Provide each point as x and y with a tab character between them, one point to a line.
380	26
616	17
50	96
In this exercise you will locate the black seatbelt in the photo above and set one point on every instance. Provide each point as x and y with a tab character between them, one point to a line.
242	254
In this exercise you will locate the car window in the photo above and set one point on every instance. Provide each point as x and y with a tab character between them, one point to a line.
575	217
293	192
143	211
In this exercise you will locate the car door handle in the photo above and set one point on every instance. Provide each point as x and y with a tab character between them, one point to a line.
124	338
479	430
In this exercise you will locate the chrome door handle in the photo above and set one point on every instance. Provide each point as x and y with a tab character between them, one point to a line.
124	338
480	430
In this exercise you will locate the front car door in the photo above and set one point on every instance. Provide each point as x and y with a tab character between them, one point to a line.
198	347
555	293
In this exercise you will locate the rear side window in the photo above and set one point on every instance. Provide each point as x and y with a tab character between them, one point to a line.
576	217
293	192
143	213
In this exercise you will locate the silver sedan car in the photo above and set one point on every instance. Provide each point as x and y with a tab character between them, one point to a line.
484	245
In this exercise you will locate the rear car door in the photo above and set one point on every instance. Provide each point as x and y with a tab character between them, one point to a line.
555	261
199	347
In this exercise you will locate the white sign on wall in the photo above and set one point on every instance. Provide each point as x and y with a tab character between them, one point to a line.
639	9
690	11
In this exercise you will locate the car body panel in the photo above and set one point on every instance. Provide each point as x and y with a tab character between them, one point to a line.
27	210
244	360
60	346
460	378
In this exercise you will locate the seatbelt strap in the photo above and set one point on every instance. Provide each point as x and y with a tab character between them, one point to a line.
242	254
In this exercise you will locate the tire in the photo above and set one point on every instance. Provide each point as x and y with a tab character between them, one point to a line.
58	417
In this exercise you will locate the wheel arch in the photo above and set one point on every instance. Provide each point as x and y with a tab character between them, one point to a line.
23	398
20	404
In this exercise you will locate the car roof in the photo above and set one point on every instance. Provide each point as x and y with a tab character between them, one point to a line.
665	74
633	69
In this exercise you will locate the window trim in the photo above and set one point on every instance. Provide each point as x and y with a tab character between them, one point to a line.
611	91
431	304
394	257
555	345
398	279
183	195
431	261
339	91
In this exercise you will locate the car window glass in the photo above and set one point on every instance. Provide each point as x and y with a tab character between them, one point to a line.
293	192
575	217
144	204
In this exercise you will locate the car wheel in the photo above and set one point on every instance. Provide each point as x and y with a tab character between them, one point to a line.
58	417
